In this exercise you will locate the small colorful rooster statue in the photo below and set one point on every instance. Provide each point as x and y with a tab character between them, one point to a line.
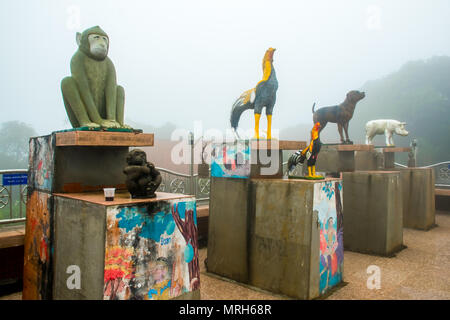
263	95
310	154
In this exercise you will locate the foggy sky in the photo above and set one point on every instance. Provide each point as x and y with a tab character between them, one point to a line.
181	61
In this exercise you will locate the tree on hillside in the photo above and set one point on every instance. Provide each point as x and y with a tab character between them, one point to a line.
419	94
14	138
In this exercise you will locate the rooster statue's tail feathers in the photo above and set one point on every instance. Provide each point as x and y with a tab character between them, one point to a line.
244	102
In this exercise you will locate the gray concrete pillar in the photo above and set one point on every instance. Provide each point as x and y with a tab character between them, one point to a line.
373	212
418	198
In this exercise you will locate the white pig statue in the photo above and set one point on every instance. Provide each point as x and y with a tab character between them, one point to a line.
386	126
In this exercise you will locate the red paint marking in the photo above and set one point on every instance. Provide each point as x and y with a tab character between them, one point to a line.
224	151
78	187
225	159
111	274
323	242
333	264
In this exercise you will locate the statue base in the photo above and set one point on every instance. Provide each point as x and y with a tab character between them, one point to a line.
247	159
418	198
338	158
94	235
373	212
270	233
101	129
378	158
74	237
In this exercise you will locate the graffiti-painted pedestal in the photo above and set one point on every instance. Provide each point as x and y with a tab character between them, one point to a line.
418	198
388	155
373	209
71	229
377	158
126	249
284	236
336	158
251	158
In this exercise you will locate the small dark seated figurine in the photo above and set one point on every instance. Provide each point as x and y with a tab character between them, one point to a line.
142	177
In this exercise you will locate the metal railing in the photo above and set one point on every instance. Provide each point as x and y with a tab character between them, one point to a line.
441	173
175	182
12	199
400	165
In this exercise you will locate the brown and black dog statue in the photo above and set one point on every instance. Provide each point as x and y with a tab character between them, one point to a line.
340	114
142	177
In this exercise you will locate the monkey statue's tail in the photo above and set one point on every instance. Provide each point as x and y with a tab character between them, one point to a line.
313	107
244	102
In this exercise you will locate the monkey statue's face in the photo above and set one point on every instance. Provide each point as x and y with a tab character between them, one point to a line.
137	158
98	45
93	42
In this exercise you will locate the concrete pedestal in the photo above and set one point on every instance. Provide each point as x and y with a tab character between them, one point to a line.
229	204
442	200
284	236
418	198
373	208
80	161
382	158
339	158
125	249
387	155
368	161
251	158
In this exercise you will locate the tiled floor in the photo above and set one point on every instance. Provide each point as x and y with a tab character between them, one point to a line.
421	271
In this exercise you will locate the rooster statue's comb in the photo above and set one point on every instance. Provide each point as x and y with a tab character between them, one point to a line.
316	126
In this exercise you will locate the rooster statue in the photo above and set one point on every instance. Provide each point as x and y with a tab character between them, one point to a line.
309	154
263	95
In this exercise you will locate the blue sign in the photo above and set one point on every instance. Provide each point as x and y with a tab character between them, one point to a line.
14	179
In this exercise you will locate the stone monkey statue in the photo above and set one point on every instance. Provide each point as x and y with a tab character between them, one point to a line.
91	95
142	177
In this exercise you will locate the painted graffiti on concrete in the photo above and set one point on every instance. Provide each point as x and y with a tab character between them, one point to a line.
231	160
151	251
328	204
38	248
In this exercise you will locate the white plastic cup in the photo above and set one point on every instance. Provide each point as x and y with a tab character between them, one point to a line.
109	193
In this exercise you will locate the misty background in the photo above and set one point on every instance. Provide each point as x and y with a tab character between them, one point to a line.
186	61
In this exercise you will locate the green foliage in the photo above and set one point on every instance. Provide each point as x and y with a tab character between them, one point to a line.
419	94
14	138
